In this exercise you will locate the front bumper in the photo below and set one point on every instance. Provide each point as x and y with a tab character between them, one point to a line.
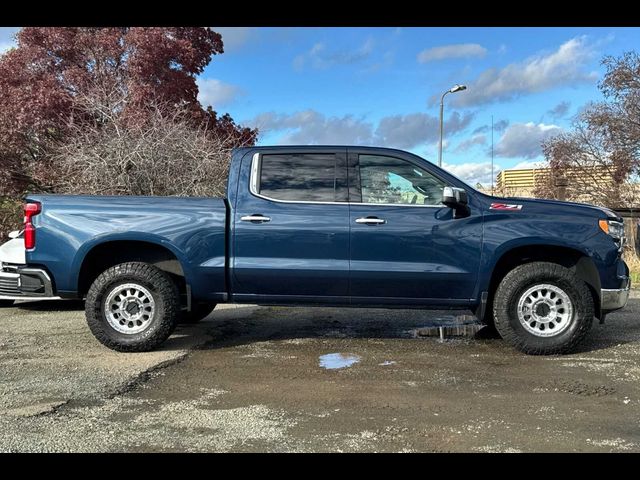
20	282
615	299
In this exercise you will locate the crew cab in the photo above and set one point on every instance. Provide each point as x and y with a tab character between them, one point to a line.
326	225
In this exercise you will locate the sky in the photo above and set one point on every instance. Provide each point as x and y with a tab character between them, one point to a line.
382	86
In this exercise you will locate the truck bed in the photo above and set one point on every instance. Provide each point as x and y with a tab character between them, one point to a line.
193	229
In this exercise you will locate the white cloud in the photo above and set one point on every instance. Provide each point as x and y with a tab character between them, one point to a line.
478	139
319	57
459	50
235	38
401	131
498	126
536	74
524	140
310	127
215	92
407	131
473	173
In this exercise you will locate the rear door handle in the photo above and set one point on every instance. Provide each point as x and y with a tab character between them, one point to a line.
371	220
255	218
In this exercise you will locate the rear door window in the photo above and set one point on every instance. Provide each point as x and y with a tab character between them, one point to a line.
298	177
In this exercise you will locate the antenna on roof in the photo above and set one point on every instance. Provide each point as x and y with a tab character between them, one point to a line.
492	177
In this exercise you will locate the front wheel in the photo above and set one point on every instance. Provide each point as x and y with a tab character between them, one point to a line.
132	307
542	308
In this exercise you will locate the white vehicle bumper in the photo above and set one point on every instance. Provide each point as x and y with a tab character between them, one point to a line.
24	283
13	252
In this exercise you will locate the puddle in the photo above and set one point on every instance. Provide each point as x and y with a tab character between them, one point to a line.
332	361
449	326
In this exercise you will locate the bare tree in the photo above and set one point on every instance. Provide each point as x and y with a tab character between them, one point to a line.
165	155
600	157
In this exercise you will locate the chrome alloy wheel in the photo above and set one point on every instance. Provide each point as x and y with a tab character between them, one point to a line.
129	308
545	310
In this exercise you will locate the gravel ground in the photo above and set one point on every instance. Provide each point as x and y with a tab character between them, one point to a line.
265	379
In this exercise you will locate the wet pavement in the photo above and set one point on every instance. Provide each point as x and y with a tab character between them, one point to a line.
316	379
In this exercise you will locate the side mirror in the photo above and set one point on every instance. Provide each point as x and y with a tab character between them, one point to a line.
456	198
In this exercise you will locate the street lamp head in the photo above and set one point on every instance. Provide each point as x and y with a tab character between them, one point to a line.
457	88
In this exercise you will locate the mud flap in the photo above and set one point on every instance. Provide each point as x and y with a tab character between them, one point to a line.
482	308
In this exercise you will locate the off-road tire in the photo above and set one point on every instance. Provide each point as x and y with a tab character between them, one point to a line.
167	307
6	303
199	311
513	286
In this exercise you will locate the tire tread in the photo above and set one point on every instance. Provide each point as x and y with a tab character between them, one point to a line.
514	279
162	284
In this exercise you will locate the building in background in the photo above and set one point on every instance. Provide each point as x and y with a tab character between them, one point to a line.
521	182
582	184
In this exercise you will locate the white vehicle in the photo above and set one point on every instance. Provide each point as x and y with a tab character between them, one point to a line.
12	257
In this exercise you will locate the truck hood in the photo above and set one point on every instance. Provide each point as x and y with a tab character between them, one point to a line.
539	205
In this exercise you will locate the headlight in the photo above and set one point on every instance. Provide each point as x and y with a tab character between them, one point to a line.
612	228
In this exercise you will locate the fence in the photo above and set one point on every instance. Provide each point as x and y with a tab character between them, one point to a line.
631	217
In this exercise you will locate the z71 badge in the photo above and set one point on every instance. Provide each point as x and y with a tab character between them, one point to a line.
505	206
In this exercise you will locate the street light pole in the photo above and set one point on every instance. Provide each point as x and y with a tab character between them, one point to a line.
441	128
454	89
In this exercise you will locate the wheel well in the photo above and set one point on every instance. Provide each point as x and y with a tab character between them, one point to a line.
108	254
567	257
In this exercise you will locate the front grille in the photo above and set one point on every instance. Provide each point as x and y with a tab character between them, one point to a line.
9	286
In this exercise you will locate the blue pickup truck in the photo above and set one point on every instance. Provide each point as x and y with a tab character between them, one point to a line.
326	225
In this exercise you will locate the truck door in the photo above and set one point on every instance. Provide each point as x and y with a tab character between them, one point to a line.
406	247
291	227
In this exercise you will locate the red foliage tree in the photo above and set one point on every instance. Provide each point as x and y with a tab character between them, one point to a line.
57	76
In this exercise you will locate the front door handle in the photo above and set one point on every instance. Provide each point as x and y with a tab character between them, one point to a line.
257	218
371	220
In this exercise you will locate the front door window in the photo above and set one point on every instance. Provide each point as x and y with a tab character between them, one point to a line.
389	180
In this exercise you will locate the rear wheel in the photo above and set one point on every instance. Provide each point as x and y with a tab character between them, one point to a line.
198	312
542	308
132	307
6	303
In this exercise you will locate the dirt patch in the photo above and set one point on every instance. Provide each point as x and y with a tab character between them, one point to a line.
580	388
252	379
